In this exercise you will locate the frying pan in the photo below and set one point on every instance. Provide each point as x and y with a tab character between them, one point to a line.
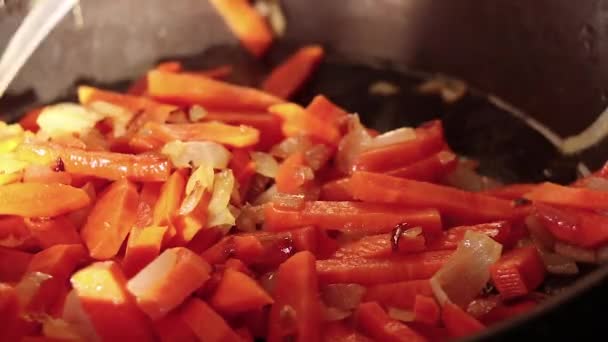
543	56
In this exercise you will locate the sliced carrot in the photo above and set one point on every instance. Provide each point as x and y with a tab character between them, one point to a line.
168	280
79	217
110	220
207	324
143	246
148	196
500	231
289	76
375	323
269	125
578	227
189	89
205	239
290	177
243	169
296	310
30	120
341	332
298	121
458	322
101	290
13	264
246	23
326	110
377	271
459	205
37	200
337	190
169	200
187	226
15	234
426	310
237	293
580	198
172	328
44	174
431	169
246	248
518	272
58	261
429	140
53	231
511	192
400	294
380	246
350	216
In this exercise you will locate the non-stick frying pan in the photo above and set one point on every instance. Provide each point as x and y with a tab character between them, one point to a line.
543	56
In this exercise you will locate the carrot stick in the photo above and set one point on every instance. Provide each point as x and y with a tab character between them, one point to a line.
168	280
53	231
298	121
268	125
326	110
246	23
173	328
13	264
246	248
337	190
511	192
340	332
400	294
290	75
34	199
581	198
431	169
207	324
375	323
143	246
458	322
101	291
426	310
581	228
350	216
148	196
189	89
169	200
110	220
243	169
500	231
518	272
238	293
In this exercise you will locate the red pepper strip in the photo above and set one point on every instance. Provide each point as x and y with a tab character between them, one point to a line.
326	110
570	197
298	121
59	261
189	225
503	311
154	135
269	125
296	311
289	76
429	140
511	192
518	272
341	332
13	264
39	200
500	231
290	176
350	216
237	293
337	190
375	323
53	231
243	168
207	324
458	322
400	294
189	89
431	169
380	246
457	204
426	310
577	227
30	120
246	24
378	271
110	220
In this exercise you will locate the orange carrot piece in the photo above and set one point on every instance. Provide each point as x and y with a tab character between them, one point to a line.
148	196
44	174
350	216
297	309
381	246
110	220
326	110
168	280
458	322
268	125
298	121
207	324
37	200
173	328
13	264
375	323
290	178
426	310
288	77
378	271
431	169
511	192
246	23
189	89
143	246
580	198
187	226
219	72
237	293
246	248
101	290
30	120
12	326
59	262
15	234
518	272
243	169
342	332
400	294
457	204
53	231
169	200
337	190
140	86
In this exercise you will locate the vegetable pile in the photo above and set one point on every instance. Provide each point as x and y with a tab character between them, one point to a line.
193	209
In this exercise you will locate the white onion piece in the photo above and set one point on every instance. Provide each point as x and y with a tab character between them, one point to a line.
271	10
395	136
557	264
120	116
265	164
290	146
466	273
196	153
200	180
67	119
266	196
196	113
383	88
343	296
29	285
481	306
467	179
450	90
317	156
596	183
219	213
401	315
592	135
575	253
352	144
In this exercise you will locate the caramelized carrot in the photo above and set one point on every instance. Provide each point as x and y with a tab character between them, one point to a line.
430	169
9	313
518	272
581	228
326	110
143	246
246	248
500	231
458	322
53	231
580	198
298	121
290	176
207	324
13	264
375	322
168	280
189	89
380	246
36	200
237	293
110	220
268	125
400	294
289	76
337	190
247	25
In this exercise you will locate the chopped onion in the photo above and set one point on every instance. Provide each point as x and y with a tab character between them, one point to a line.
539	234
331	314
29	285
75	316
120	117
395	136
249	218
317	156
197	153
596	183
557	264
196	113
352	144
219	213
266	196
576	253
467	179
265	164
67	119
592	135
466	273
401	315
481	306
451	90
343	296
288	201
271	9
383	88
290	146
200	181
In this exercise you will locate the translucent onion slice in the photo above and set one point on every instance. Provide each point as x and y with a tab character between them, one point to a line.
76	317
249	218
352	144
317	156
343	296
29	285
200	180
466	178
66	119
120	116
290	146
219	213
265	164
395	136
575	253
197	153
56	328
289	201
196	113
597	183
331	314
266	196
466	273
